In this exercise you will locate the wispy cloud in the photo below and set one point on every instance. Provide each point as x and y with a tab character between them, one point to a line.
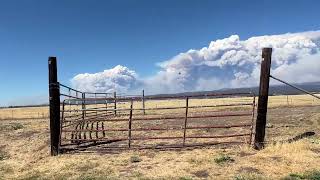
225	63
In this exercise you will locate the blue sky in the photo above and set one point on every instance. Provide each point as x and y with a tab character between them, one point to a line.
90	36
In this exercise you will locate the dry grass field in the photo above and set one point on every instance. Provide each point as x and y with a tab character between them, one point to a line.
24	150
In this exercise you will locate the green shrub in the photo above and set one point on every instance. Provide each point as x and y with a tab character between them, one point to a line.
310	175
315	141
135	159
3	155
185	178
222	158
11	126
16	126
293	177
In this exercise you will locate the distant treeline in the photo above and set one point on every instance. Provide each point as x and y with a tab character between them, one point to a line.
274	90
22	106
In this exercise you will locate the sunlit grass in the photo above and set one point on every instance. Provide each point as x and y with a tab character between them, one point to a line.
24	151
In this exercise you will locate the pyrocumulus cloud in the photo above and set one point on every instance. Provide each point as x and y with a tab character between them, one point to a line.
225	63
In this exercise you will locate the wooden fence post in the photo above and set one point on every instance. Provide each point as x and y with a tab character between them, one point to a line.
83	103
185	122
263	98
130	124
106	105
115	103
54	100
143	103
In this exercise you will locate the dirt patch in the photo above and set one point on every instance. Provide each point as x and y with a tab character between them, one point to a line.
28	134
42	147
249	170
244	154
149	154
276	158
201	174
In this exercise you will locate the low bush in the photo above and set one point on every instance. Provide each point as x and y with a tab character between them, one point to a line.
3	155
135	159
310	175
16	126
222	158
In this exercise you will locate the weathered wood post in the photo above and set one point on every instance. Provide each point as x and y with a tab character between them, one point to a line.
115	102
83	103
263	98
83	107
54	101
143	103
130	123
185	122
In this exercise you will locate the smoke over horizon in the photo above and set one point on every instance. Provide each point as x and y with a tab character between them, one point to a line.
224	63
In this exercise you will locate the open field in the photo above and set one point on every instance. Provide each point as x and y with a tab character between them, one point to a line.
274	101
24	150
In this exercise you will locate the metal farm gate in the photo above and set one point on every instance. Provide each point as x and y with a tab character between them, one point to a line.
101	121
83	121
101	125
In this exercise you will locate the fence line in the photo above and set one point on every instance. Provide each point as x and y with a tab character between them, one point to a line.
295	87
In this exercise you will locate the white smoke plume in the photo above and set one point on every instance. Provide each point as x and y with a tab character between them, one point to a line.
119	78
225	63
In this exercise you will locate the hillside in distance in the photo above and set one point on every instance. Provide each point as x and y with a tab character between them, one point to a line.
313	87
273	90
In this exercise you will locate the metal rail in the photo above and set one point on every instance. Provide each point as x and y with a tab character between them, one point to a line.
160	108
176	97
295	87
165	137
162	129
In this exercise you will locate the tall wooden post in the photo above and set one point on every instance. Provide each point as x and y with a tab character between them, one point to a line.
115	103
83	107
263	98
106	105
83	103
54	100
143	103
130	124
185	122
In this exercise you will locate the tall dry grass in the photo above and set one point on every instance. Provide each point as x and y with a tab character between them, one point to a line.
24	152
